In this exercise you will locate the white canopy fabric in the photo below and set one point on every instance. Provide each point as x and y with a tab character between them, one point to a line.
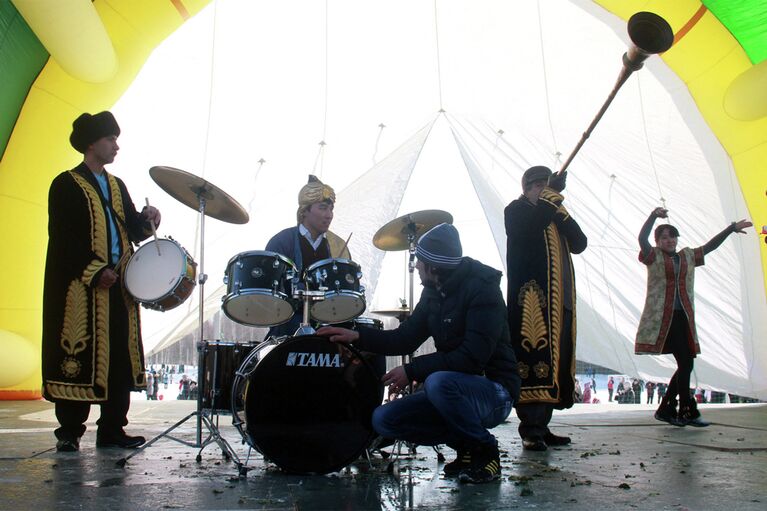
516	84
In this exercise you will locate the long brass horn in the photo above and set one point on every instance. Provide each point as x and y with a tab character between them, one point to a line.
650	34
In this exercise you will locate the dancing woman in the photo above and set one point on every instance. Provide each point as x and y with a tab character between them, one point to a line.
668	319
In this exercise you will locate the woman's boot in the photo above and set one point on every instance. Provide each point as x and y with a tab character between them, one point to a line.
690	416
666	412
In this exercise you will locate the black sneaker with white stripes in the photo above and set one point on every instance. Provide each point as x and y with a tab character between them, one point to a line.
462	461
485	465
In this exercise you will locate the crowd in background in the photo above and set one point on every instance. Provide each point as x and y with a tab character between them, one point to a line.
170	381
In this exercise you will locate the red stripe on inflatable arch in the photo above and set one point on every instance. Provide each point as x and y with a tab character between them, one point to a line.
691	23
179	5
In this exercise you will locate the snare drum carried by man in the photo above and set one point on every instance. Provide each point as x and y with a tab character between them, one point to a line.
471	381
310	240
92	351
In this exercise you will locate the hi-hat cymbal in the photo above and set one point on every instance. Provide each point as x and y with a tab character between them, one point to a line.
188	189
394	313
396	234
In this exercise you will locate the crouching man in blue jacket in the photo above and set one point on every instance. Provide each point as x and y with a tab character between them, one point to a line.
470	383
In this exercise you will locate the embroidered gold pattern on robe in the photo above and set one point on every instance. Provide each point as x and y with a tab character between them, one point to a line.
74	331
133	311
533	330
523	369
550	392
541	369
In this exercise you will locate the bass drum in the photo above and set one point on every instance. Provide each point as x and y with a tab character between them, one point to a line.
308	403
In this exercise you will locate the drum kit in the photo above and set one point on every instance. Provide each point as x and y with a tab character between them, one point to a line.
303	402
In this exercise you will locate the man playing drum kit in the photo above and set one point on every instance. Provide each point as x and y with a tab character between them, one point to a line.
470	382
310	240
92	351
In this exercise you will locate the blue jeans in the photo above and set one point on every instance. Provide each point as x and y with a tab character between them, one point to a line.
453	408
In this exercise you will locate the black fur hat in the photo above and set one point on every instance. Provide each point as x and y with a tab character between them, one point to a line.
88	128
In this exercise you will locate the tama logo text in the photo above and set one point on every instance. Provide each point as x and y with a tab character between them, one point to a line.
313	360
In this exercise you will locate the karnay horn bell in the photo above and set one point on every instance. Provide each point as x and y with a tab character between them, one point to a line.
650	34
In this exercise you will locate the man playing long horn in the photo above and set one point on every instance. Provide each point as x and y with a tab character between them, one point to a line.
541	302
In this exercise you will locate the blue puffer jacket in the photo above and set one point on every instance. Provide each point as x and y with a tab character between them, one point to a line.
467	319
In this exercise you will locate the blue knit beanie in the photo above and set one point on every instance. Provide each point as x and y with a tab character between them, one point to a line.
440	247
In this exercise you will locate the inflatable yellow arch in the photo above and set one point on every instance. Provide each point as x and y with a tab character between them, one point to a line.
720	52
49	78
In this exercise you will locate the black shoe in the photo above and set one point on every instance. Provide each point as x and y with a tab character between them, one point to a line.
665	415
485	465
697	422
120	440
553	440
68	445
461	462
690	416
666	412
534	444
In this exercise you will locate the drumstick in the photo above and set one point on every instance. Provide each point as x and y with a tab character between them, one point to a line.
346	243
154	231
121	261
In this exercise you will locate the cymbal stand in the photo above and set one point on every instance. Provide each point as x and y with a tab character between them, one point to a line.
204	416
411	238
411	447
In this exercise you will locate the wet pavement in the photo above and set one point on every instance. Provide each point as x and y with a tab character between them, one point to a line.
620	459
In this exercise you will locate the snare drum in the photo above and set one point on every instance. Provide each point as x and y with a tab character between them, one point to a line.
259	288
308	403
344	295
220	361
160	282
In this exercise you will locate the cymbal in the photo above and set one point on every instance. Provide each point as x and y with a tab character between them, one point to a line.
188	189
395	234
393	313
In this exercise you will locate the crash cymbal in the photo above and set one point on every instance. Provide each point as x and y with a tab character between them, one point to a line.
394	235
188	189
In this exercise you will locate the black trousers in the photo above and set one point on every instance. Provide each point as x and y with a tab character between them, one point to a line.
114	411
534	418
677	344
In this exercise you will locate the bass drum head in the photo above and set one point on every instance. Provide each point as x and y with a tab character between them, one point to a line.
309	403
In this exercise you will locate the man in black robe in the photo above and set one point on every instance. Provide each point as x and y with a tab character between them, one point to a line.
541	235
91	349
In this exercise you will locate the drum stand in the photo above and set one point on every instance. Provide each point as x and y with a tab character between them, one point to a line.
204	416
307	297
